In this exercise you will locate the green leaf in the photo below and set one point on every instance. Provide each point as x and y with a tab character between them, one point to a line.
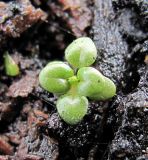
94	85
12	69
81	52
108	91
72	109
54	77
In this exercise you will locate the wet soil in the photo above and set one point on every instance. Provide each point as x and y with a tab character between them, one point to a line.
35	32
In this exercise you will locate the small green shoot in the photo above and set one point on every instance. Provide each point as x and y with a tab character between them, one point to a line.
11	68
74	87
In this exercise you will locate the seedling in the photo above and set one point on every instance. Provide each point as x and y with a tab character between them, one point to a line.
12	69
75	85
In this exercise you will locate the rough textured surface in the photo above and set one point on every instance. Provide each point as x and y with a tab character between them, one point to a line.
6	109
80	137
126	114
30	128
76	14
36	143
24	86
5	147
112	49
131	139
16	17
140	7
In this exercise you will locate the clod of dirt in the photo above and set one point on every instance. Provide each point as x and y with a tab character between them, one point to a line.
26	134
4	158
3	90
37	143
5	147
8	110
24	86
32	157
131	138
138	6
76	14
42	147
133	19
17	16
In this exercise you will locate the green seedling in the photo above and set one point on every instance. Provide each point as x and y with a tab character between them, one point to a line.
75	87
11	68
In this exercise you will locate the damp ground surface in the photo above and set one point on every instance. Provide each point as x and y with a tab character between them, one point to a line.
36	32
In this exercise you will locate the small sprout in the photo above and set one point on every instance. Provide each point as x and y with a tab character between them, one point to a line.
57	77
94	85
12	69
72	109
54	77
81	52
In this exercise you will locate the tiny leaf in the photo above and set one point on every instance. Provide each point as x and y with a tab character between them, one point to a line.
12	69
94	85
72	109
54	77
81	52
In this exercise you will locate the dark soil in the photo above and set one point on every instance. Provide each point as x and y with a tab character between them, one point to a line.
35	32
